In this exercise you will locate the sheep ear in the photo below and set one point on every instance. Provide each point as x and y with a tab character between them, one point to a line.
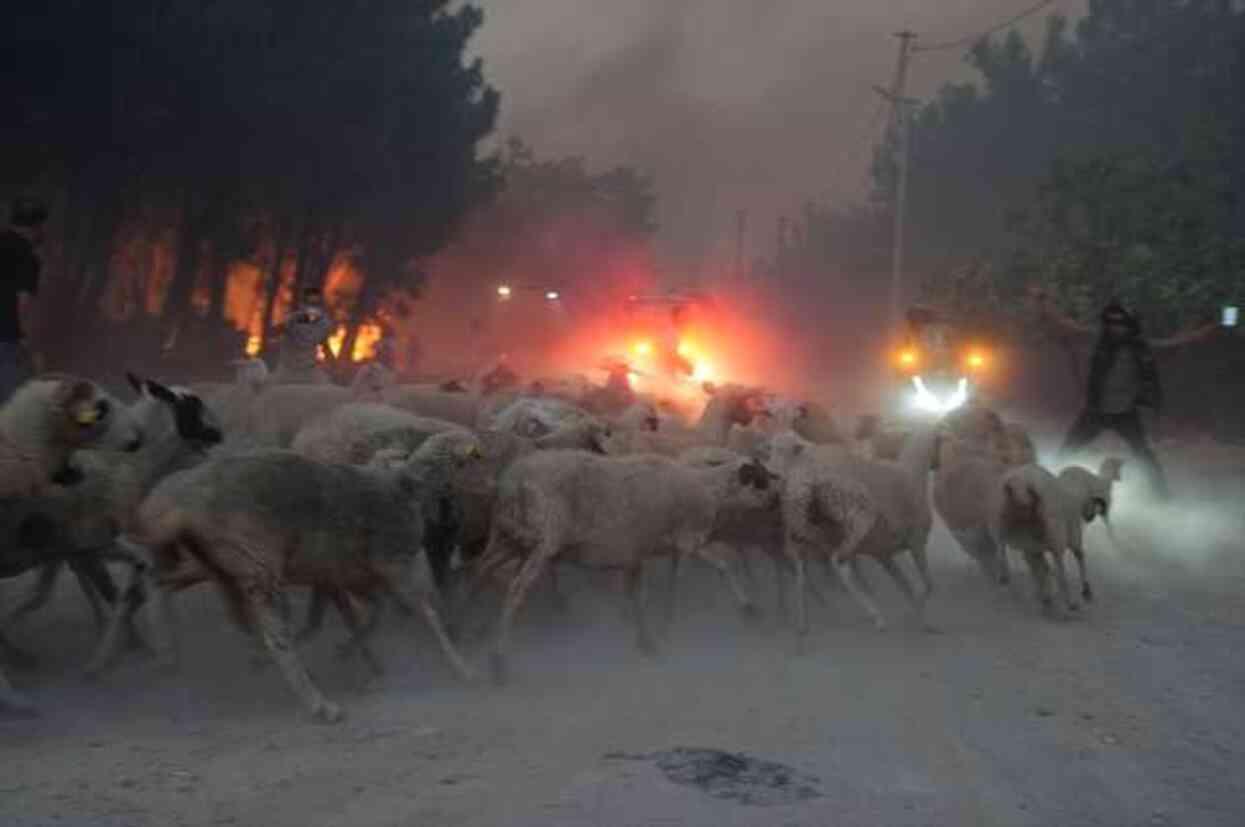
135	382
160	392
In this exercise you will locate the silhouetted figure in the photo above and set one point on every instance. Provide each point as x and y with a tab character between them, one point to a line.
19	274
306	330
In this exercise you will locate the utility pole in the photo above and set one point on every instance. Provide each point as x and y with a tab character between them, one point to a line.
900	128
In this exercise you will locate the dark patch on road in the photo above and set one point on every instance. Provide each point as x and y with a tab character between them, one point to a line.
732	776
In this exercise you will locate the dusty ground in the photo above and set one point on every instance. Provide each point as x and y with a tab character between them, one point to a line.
1129	715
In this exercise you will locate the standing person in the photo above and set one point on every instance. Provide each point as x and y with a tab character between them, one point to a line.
19	279
307	329
1123	379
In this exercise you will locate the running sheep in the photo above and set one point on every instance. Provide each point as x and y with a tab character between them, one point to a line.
257	524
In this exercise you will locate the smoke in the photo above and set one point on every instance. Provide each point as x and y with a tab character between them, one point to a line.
731	104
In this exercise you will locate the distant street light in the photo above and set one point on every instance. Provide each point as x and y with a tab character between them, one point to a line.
503	291
552	295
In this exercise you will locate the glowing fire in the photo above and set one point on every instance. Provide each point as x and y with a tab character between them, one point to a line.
364	344
254	343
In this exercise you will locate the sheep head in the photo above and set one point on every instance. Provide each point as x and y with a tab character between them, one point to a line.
194	421
82	414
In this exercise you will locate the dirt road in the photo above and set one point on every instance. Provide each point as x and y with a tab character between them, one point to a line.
1128	715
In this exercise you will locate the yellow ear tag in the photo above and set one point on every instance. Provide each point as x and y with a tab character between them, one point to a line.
87	416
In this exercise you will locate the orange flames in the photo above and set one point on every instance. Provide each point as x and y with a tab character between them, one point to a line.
364	344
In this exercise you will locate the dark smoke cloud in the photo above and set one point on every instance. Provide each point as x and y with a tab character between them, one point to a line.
729	103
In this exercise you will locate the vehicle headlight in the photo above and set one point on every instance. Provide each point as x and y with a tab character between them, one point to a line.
926	401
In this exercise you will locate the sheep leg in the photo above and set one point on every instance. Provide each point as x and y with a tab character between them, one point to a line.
746	604
483	570
274	631
857	571
796	556
1041	579
856	527
96	583
1061	577
162	624
397	581
745	565
39	594
916	602
676	560
315	616
358	636
848	575
97	586
121	618
527	574
240	612
635	586
1087	592
920	556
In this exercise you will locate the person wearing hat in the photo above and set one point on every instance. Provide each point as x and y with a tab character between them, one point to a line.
1123	379
19	277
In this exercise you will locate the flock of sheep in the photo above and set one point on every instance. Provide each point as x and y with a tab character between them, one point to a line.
259	487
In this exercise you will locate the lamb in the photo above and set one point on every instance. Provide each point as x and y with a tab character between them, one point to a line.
265	521
607	513
879	508
84	519
1030	510
41	426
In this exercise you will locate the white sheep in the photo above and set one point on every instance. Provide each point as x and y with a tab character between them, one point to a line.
85	518
978	450
1093	492
259	523
872	508
1031	511
607	513
41	426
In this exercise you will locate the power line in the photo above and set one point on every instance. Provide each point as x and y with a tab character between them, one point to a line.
963	41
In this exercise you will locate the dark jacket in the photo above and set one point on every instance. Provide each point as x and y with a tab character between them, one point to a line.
19	273
1132	346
